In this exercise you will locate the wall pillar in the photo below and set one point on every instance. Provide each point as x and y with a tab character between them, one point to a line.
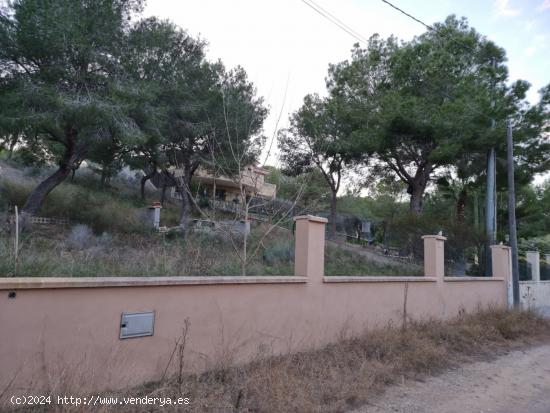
309	256
502	267
153	215
434	256
502	261
533	259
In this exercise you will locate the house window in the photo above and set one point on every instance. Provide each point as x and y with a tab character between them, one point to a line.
220	194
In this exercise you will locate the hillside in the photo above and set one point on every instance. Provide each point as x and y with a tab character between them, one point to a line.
107	236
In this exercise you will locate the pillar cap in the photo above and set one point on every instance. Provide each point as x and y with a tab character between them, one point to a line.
501	246
440	237
311	218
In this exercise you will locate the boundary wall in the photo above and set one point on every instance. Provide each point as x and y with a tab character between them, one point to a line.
62	334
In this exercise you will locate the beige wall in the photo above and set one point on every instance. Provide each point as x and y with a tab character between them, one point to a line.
535	295
61	335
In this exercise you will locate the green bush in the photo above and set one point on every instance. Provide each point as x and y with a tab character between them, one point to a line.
541	244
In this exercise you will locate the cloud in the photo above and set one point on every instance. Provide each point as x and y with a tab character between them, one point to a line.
530	51
504	9
544	5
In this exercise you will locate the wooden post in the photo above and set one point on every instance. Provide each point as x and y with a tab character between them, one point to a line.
16	241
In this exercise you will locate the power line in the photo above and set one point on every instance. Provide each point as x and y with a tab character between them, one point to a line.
334	20
408	15
446	35
429	27
340	21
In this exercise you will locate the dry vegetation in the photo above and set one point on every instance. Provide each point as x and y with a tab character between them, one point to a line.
117	243
60	253
348	373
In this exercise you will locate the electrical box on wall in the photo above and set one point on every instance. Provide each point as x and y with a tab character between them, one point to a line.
137	324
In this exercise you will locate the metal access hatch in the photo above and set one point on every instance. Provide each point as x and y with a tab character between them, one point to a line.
137	324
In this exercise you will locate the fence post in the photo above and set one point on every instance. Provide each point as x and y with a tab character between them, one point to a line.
309	255
502	267
533	259
434	256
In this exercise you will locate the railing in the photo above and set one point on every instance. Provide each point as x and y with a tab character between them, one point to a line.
43	220
237	209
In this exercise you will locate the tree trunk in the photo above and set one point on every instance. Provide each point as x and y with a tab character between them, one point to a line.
417	193
144	179
476	210
12	147
333	215
417	186
461	206
185	201
185	210
163	194
38	195
103	177
75	166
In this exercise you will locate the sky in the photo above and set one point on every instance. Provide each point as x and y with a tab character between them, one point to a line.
286	47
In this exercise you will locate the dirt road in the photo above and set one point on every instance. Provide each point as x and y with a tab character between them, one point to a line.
518	382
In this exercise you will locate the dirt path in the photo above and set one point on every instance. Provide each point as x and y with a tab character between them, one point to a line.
518	382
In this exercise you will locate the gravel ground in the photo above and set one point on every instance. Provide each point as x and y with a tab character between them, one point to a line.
518	382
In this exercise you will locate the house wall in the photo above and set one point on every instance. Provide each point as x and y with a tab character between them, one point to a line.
252	178
62	334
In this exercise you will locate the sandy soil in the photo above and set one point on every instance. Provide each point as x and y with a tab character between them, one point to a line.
518	382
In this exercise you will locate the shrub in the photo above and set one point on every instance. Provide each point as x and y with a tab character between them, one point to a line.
13	193
278	253
81	237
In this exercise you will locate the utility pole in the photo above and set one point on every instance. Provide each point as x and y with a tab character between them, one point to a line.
512	214
490	206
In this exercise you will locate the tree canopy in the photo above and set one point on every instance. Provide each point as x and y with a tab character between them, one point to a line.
80	81
61	86
320	137
428	102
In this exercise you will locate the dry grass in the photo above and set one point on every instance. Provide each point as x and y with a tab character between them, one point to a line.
125	256
347	374
55	253
135	251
